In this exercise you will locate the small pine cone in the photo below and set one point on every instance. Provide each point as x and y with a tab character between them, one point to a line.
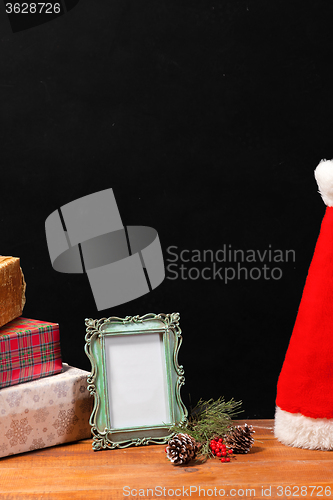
240	439
181	449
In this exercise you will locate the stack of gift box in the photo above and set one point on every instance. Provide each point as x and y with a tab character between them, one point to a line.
43	401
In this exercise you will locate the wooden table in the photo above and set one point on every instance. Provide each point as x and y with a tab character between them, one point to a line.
74	471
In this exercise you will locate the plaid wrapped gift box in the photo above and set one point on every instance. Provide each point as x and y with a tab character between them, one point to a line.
29	349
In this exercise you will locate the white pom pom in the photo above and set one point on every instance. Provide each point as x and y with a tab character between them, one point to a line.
324	178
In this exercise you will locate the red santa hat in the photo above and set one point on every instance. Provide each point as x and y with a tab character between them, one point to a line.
304	402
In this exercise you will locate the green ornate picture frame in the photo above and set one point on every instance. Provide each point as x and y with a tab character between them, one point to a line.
135	379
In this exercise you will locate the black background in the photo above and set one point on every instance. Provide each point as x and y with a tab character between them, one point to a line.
207	118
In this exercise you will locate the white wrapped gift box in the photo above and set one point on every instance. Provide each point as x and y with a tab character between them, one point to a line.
45	412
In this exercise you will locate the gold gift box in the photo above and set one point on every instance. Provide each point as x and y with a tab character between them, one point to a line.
12	289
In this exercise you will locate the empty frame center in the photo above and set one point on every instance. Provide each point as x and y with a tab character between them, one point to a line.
136	379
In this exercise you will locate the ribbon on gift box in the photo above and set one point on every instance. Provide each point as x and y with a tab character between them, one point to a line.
87	236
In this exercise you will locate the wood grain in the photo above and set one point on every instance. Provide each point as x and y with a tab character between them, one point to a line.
74	471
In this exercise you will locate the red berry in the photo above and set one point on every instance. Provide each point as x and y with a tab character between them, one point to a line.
220	440
216	439
218	454
223	459
227	459
230	451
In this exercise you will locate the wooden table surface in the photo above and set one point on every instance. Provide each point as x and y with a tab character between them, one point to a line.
74	471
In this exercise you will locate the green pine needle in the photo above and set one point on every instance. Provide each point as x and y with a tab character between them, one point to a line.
209	419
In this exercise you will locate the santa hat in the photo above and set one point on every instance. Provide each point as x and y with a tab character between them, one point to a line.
304	402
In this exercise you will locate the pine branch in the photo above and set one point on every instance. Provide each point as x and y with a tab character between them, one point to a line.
209	419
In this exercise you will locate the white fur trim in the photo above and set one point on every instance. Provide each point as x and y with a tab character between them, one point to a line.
324	178
294	429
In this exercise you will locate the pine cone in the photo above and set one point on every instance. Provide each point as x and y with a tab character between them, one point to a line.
240	439
181	449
